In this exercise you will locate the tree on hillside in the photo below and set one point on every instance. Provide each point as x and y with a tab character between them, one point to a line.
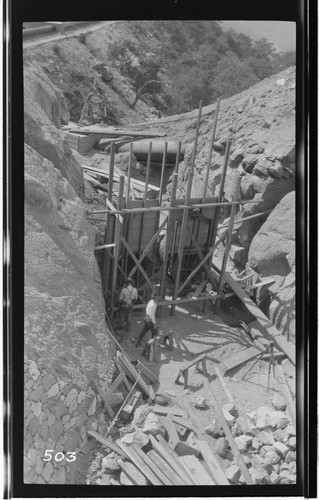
239	43
143	70
231	76
261	58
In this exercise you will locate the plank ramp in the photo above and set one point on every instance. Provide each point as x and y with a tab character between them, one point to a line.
241	357
270	330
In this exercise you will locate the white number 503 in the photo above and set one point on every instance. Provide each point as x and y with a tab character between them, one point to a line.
71	456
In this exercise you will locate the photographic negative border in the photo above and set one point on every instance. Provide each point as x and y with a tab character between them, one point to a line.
19	12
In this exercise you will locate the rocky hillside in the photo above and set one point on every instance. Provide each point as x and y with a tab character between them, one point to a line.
260	122
67	347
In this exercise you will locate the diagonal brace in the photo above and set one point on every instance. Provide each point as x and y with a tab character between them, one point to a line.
137	263
148	246
204	259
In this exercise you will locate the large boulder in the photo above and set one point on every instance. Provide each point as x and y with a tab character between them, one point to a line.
44	113
275	240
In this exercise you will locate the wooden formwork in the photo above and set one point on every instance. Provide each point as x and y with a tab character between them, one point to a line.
134	228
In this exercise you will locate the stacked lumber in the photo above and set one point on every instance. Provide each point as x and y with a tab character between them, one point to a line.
134	375
160	465
138	185
163	461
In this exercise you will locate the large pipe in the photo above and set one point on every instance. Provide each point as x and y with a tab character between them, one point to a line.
140	150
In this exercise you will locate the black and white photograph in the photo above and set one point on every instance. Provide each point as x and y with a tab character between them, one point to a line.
160	337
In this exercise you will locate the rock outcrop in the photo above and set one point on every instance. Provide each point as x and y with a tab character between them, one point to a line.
275	241
260	122
45	112
67	346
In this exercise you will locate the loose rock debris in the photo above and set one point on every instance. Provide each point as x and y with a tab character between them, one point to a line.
147	455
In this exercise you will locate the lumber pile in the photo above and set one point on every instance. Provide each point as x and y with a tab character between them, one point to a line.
157	460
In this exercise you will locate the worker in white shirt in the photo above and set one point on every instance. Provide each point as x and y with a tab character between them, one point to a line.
149	320
127	298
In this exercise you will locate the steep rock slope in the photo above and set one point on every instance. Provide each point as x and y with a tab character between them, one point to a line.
67	346
272	252
260	122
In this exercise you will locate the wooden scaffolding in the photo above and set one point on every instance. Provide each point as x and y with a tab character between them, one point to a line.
134	227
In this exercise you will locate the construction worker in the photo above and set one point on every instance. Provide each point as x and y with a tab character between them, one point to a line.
127	298
149	320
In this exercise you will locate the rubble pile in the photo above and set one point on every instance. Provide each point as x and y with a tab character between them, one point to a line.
266	440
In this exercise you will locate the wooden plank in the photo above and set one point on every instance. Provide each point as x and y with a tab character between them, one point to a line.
167	411
173	438
172	453
211	149
170	459
165	467
222	381
138	462
197	470
221	418
112	207
107	442
150	284
191	415
111	132
182	422
117	239
146	371
235	198
127	481
212	463
132	472
113	386
102	247
107	405
163	172
241	357
193	362
157	471
135	182
281	343
134	374
149	245
185	464
182	236
286	393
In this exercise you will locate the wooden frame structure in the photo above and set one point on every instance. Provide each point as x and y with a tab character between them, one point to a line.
133	229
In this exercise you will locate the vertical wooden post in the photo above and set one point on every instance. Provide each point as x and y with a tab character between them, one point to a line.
168	229
117	241
111	171
182	239
160	196
213	227
196	134
162	173
148	166
128	216
129	175
228	242
109	227
211	150
185	211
